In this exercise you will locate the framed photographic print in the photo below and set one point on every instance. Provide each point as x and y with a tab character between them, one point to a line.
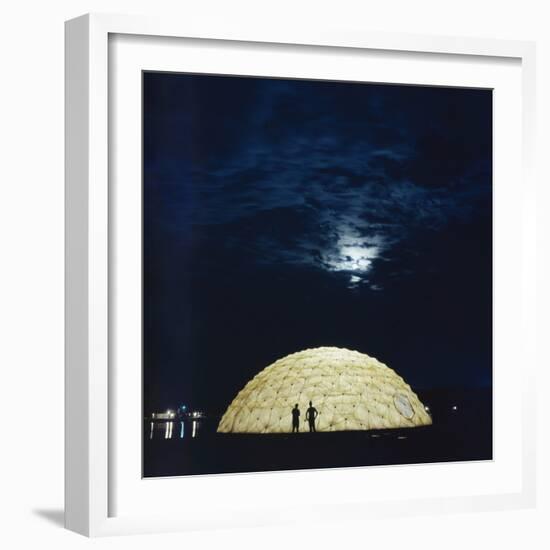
307	228
296	264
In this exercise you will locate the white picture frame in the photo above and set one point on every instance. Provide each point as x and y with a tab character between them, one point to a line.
91	437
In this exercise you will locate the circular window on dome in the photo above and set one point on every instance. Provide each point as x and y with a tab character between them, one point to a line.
403	405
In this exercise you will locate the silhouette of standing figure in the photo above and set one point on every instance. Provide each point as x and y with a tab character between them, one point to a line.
311	415
295	419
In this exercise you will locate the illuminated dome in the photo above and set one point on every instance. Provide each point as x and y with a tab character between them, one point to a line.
350	390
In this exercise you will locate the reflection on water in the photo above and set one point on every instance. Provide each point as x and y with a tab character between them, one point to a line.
164	425
164	429
168	430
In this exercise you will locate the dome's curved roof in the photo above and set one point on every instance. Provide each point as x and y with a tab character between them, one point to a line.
350	390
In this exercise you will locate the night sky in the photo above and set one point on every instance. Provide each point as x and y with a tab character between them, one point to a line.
281	215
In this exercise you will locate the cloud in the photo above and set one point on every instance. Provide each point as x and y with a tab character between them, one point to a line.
320	180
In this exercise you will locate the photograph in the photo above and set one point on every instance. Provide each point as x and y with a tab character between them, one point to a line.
317	274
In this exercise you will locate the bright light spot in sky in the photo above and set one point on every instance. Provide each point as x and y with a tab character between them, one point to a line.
354	253
356	258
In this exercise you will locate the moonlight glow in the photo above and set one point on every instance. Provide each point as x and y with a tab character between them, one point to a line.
355	254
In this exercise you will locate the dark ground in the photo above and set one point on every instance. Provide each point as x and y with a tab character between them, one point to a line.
456	435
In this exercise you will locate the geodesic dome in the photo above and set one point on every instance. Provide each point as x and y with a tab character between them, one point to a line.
350	390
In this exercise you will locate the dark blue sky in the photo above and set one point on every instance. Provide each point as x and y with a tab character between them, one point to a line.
284	214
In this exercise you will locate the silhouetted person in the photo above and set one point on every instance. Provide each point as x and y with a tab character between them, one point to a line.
311	415
295	419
